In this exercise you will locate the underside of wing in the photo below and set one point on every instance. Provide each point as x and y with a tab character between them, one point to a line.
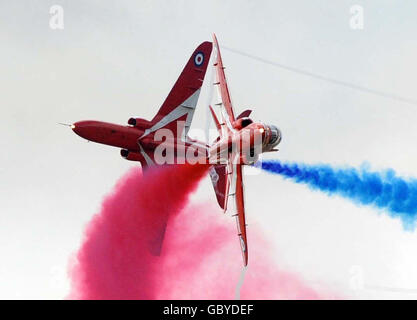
236	204
227	179
240	218
225	103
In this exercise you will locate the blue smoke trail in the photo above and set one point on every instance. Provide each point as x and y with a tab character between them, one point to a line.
383	190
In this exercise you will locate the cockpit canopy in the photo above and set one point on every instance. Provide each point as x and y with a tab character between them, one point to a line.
242	122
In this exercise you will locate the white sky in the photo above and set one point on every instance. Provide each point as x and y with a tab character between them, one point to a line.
114	60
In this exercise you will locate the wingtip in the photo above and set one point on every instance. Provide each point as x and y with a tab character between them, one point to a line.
215	40
245	263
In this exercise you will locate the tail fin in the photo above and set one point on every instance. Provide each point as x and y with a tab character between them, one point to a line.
182	100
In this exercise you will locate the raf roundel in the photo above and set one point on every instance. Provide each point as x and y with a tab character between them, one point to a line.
199	59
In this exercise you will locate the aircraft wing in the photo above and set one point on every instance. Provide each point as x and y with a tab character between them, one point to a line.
235	203
228	179
225	104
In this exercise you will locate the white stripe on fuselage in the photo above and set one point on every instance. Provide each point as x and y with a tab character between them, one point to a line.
185	108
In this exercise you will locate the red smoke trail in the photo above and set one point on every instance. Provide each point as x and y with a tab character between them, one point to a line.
114	261
200	256
203	261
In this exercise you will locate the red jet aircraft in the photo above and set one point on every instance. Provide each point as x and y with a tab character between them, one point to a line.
240	139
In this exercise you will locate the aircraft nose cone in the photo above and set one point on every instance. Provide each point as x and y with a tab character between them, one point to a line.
81	128
76	127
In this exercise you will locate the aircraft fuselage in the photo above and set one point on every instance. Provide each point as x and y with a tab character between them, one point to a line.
124	137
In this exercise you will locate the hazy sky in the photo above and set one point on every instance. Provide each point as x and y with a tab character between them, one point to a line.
117	59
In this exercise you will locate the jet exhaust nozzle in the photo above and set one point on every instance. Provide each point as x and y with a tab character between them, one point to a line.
275	135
